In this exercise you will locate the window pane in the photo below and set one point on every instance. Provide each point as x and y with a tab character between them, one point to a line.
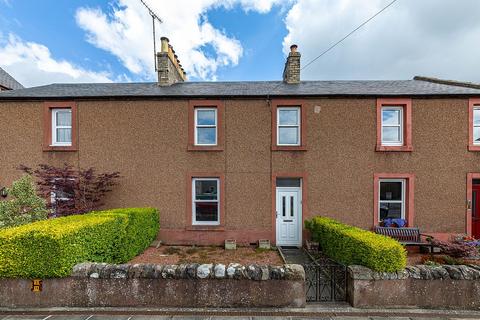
390	191
206	117
206	135
206	189
64	118
288	182
291	206
390	210
476	116
64	135
476	134
288	117
390	116
284	206
391	134
288	135
206	211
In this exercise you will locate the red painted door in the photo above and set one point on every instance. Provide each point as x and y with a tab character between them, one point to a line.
476	211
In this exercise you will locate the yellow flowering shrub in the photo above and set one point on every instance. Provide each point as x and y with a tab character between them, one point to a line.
50	248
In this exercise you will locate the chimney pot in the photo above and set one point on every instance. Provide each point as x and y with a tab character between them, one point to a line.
291	72
164	44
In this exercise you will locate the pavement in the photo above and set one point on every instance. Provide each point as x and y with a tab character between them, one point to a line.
312	311
145	317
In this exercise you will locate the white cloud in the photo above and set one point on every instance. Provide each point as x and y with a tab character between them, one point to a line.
126	33
427	37
32	64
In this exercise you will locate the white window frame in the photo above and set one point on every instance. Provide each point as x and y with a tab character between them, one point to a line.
205	126
298	126
400	125
475	107
55	127
194	201
402	201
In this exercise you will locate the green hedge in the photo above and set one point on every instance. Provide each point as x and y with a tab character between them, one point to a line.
50	248
351	245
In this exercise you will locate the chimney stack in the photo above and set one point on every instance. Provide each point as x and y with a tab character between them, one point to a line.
291	73
169	69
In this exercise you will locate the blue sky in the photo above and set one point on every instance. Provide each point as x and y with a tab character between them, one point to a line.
52	23
50	41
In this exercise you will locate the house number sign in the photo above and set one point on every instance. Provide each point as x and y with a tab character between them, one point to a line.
36	285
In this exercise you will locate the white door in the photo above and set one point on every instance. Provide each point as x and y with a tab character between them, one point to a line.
289	216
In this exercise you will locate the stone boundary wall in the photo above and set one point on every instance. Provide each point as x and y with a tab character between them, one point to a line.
445	286
152	285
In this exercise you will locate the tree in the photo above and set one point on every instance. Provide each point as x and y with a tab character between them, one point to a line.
25	205
72	190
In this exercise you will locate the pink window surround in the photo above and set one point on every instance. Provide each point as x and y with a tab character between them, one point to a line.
277	103
409	195
407	123
472	103
188	215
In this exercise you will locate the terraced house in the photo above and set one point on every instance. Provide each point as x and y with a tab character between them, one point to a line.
253	160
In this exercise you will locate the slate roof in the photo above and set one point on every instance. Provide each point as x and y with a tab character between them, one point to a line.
7	81
243	89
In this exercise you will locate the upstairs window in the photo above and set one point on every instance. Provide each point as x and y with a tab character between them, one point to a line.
288	126
59	126
62	127
205	126
476	125
392	126
205	201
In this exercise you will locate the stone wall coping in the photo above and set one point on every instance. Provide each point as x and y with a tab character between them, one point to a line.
189	271
420	272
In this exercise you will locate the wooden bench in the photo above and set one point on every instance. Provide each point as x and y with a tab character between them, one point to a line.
406	236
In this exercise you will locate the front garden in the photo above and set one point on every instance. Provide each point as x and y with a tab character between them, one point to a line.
208	254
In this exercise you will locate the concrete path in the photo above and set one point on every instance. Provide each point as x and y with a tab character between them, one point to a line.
294	255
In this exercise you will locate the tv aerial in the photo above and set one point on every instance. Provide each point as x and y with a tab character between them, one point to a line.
157	18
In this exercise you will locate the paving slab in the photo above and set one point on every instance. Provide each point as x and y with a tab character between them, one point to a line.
109	317
349	318
390	318
152	318
69	317
26	317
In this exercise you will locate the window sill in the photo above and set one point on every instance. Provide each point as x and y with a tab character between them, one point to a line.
474	147
289	148
394	148
60	148
204	148
205	228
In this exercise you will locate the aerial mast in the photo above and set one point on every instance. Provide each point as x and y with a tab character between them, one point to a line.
154	17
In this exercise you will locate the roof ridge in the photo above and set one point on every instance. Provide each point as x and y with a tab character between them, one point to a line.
456	83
